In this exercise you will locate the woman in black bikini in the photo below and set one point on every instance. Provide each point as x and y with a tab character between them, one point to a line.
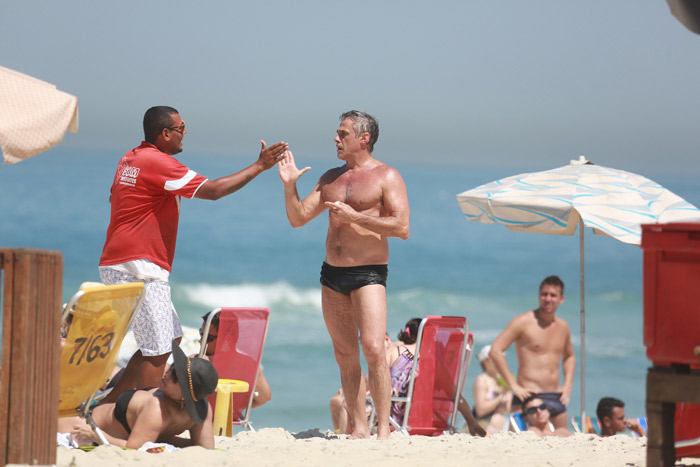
159	414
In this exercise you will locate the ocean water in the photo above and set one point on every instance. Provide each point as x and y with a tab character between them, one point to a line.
241	251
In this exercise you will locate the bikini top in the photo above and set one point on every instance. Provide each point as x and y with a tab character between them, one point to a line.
122	405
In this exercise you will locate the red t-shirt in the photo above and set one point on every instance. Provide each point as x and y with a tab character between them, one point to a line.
146	206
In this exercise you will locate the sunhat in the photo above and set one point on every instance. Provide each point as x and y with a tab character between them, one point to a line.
198	379
483	353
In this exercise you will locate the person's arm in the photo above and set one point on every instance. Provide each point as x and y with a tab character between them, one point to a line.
203	434
497	354
474	428
395	202
634	425
262	391
482	405
84	435
148	425
569	366
215	189
299	212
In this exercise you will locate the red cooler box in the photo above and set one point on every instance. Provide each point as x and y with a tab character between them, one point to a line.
672	293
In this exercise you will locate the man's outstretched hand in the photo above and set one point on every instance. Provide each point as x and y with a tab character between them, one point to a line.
269	156
289	173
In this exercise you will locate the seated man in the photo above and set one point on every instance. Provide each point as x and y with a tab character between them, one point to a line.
262	392
537	417
611	415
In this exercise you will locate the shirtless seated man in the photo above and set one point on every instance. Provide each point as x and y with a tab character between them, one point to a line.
542	340
537	416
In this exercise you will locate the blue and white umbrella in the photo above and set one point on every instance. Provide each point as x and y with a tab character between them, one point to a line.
612	202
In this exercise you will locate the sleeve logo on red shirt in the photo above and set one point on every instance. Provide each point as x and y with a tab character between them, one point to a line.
127	175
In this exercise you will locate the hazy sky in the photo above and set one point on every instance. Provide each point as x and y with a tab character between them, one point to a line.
506	84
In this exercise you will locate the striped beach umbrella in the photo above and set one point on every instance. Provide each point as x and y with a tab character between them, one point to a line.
34	115
612	202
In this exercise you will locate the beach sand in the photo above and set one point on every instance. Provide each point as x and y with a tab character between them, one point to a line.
275	447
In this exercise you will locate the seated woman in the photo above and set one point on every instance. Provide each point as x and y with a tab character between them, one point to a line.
537	416
159	414
492	398
399	356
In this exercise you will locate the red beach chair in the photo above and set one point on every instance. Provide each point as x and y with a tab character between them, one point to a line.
239	348
442	356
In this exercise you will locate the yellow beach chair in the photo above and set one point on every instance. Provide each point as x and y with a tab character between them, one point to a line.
99	317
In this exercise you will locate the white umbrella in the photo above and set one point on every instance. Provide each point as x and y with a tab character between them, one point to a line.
34	115
612	202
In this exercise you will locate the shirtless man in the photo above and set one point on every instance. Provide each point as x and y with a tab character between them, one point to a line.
367	203
537	417
542	341
611	416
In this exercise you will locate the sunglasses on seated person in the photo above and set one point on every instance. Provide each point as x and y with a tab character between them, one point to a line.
534	409
210	338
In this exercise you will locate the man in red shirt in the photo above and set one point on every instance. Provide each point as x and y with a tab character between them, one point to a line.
141	237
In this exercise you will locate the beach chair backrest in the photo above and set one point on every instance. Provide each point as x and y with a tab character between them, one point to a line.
517	422
239	348
643	423
437	376
100	317
591	425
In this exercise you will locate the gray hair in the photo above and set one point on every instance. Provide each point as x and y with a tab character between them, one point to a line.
363	123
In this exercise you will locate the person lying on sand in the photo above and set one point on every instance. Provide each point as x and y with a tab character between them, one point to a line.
159	414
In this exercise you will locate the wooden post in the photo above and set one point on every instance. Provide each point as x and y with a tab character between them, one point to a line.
665	387
30	294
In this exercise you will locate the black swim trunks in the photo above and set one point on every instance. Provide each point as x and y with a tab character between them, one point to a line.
345	280
550	399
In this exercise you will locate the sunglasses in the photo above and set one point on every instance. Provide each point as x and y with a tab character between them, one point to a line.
180	129
210	338
532	410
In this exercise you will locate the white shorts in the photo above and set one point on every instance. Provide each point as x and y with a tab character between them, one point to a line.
156	323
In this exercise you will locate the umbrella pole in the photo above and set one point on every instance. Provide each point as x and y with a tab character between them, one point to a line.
583	328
